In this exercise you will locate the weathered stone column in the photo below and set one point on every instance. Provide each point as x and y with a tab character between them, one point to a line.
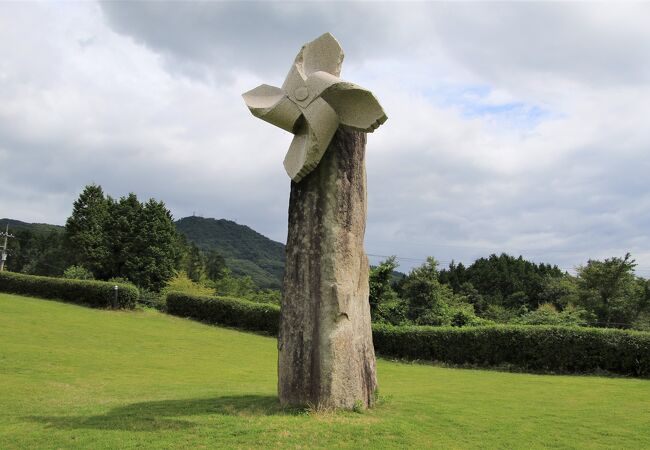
326	356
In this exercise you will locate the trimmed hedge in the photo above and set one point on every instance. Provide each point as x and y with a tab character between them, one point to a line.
529	348
535	348
84	292
232	312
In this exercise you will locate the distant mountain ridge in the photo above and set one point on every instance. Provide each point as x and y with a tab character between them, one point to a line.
246	251
18	225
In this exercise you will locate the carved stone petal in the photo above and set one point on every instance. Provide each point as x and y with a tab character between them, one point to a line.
313	135
322	54
293	81
319	82
270	103
357	107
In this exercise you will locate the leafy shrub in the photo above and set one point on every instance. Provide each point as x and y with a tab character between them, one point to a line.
462	315
547	314
226	311
120	280
78	273
393	311
642	322
532	348
182	283
152	299
232	286
499	314
93	293
266	296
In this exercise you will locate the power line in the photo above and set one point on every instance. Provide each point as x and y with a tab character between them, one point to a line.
644	269
447	262
491	249
494	249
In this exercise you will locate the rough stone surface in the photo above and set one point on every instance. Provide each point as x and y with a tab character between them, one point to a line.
326	356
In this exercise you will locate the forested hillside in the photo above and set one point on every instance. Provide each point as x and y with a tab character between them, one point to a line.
17	225
35	247
246	251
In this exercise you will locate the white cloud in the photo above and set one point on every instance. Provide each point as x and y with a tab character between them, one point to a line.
512	127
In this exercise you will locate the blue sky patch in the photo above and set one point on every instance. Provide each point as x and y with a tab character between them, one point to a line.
474	101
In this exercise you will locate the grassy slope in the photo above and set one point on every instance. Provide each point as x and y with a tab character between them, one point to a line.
76	377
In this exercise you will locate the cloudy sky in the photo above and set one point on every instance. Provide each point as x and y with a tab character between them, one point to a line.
516	127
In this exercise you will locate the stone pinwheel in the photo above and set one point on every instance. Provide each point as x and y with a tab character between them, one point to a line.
313	102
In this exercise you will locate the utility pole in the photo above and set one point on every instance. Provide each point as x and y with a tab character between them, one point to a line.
3	255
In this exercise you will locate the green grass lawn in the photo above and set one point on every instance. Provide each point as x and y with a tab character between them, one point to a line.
73	377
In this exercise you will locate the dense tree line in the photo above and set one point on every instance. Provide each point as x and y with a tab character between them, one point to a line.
106	238
505	289
123	238
37	252
128	240
503	280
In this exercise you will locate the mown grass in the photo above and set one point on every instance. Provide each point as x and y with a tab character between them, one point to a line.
73	377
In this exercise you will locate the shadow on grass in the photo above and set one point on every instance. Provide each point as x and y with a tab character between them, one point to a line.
168	414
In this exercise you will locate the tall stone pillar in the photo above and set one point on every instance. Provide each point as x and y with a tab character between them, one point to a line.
326	356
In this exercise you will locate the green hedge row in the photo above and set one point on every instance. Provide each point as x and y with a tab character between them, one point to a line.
226	311
530	348
93	293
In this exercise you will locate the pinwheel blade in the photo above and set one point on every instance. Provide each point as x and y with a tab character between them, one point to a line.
357	108
322	54
313	135
270	103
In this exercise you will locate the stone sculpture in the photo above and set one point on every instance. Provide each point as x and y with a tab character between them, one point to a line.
325	353
313	102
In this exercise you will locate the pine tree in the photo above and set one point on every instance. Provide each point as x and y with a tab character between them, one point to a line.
196	262
124	238
85	232
146	243
215	265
